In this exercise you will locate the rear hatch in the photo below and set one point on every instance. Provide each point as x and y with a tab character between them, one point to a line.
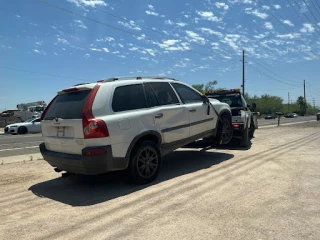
62	123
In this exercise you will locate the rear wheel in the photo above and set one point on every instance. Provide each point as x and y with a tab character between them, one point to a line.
22	130
145	163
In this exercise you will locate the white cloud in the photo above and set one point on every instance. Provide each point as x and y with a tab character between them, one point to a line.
80	24
86	55
231	40
288	36
36	50
61	40
39	52
194	37
152	13
152	52
168	22
265	7
105	49
143	36
55	53
53	27
222	5
115	52
256	13
134	49
288	22
307	27
122	56
6	47
151	7
268	25
277	6
260	36
209	16
120	45
181	24
106	39
88	3
215	46
18	16
131	24
95	49
39	43
212	32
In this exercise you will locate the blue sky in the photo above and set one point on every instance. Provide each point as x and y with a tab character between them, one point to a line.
45	48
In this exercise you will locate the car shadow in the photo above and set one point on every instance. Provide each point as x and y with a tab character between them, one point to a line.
234	144
79	190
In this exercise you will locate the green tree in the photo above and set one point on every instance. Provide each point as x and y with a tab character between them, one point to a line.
210	85
199	87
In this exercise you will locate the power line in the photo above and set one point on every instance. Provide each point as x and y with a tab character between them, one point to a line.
273	72
288	29
315	7
310	11
267	75
300	16
39	73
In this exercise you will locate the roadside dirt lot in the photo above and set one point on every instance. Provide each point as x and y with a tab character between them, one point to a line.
270	191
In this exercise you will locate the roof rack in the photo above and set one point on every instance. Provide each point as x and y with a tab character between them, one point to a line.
138	78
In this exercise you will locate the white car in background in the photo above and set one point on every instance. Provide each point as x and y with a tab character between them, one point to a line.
29	126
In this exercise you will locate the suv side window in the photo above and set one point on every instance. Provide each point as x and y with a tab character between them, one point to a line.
164	93
186	94
151	97
130	97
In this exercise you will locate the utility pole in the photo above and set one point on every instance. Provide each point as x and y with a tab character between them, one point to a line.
288	101
243	73
314	103
304	95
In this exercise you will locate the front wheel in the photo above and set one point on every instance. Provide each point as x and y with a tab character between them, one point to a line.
22	130
145	163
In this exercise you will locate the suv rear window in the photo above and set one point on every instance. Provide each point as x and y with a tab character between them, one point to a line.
68	106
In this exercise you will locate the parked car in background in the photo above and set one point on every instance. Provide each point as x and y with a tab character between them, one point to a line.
128	123
29	126
270	116
291	115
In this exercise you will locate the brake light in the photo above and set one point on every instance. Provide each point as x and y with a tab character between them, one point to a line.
236	125
95	152
93	128
46	109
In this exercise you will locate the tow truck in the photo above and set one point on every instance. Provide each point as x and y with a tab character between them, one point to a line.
244	121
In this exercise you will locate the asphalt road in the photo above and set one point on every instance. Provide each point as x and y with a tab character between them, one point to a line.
14	145
264	122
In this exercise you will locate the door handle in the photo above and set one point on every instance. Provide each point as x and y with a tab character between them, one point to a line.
160	115
192	110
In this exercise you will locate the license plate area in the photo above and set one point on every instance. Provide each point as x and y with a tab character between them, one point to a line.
61	131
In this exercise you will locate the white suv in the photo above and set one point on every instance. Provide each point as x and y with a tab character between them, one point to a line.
128	123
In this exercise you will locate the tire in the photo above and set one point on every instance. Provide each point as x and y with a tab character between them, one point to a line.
225	130
245	138
144	163
22	130
252	129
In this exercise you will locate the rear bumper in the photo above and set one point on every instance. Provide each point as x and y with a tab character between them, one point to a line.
81	164
238	131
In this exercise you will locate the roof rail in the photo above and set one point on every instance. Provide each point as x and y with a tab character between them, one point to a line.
137	78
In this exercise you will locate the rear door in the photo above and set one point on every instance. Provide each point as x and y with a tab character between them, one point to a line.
171	117
36	127
200	120
62	123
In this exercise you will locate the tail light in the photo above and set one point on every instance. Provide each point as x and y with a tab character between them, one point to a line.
46	109
236	125
93	128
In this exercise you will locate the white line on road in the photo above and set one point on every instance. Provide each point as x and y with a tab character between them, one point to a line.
11	149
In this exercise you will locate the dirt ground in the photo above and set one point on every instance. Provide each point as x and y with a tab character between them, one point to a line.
269	191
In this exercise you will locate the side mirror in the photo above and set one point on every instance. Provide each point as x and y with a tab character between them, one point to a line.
205	99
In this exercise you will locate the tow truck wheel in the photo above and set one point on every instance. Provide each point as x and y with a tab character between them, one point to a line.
245	138
252	128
